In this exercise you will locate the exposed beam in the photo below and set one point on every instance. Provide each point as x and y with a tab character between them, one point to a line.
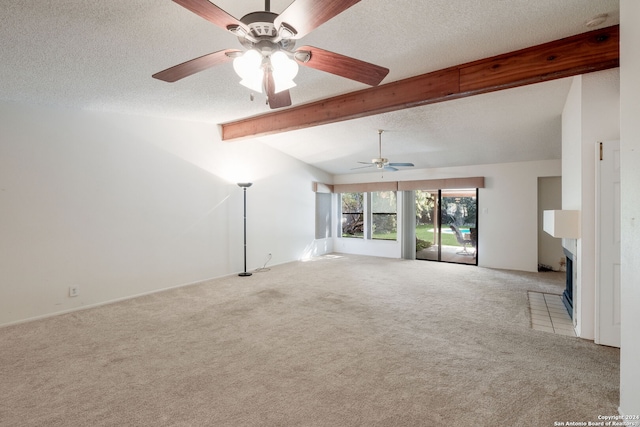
584	53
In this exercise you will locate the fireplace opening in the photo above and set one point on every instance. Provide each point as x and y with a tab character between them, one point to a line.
567	295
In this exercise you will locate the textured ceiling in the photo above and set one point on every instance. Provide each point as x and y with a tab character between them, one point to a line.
100	55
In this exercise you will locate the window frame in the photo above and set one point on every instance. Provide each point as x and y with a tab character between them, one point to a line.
361	215
367	216
372	215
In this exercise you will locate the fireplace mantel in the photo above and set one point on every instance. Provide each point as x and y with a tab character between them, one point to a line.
562	223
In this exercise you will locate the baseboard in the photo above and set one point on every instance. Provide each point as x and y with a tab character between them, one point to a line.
111	301
128	297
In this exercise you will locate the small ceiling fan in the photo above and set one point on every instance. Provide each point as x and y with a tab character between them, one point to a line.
269	62
381	162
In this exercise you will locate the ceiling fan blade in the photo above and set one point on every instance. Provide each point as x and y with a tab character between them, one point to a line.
389	168
275	100
306	15
193	66
280	99
363	167
212	13
401	164
344	66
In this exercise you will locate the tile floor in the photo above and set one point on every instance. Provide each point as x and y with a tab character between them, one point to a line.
549	314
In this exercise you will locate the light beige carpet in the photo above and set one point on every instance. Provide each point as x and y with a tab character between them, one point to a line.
338	341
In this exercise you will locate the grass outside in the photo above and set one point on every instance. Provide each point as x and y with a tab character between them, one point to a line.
355	236
423	232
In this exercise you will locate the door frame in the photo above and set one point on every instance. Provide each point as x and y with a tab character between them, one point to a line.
607	286
438	223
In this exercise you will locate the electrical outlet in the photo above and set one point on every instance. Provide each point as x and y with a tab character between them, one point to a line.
74	291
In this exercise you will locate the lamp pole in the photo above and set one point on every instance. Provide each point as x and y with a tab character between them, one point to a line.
244	186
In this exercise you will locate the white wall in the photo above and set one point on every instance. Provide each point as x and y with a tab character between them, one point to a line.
591	114
571	147
123	205
572	178
630	177
507	209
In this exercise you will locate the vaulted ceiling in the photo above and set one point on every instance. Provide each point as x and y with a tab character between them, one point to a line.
100	55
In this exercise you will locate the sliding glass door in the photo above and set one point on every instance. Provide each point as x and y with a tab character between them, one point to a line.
427	225
447	225
458	223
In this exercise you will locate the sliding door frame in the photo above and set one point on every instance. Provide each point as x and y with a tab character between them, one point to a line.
438	223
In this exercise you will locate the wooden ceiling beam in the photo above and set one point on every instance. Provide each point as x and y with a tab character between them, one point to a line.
593	51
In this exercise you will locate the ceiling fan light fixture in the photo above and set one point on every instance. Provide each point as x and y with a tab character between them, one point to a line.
281	85
255	84
284	70
249	67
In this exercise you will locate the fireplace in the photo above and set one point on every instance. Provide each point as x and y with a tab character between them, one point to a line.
567	295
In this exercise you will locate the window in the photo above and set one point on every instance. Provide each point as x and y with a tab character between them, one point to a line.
352	215
384	215
370	215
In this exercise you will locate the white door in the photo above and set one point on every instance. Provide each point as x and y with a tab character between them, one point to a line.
607	330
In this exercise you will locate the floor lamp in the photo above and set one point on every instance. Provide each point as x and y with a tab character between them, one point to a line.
244	186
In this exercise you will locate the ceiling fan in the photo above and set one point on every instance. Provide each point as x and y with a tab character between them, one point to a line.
269	62
381	162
